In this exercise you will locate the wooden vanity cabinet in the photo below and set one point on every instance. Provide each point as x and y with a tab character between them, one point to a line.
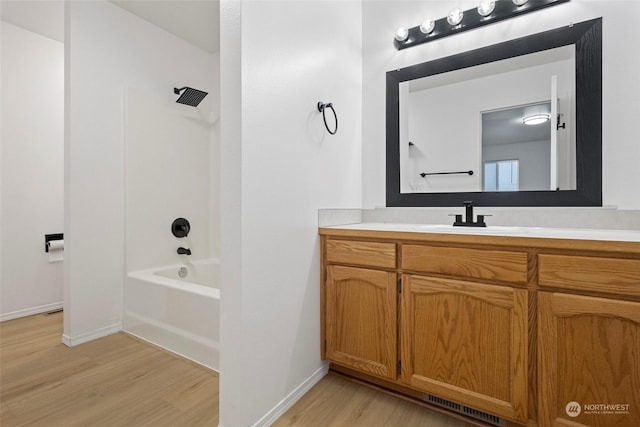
361	319
588	349
520	328
360	306
589	346
466	342
463	340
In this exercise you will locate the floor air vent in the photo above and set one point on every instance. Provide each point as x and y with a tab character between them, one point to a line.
464	410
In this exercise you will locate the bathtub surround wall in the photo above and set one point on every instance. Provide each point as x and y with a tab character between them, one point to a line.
279	164
32	151
168	165
108	50
167	158
621	153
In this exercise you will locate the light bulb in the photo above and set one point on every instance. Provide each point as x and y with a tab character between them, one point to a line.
427	26
402	34
486	7
519	2
455	16
535	119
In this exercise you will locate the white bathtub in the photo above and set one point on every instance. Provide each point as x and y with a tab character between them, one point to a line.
181	314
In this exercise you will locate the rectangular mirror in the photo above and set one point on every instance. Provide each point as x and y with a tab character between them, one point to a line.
456	126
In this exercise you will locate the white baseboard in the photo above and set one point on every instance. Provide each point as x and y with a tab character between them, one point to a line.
286	403
31	311
92	335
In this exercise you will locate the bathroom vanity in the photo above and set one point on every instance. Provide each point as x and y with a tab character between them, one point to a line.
521	326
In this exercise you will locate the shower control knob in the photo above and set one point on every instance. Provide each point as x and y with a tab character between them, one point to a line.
180	227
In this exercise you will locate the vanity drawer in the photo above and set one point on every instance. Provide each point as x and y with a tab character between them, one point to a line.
372	254
611	275
501	266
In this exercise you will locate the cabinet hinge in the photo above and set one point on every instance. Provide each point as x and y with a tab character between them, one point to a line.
399	285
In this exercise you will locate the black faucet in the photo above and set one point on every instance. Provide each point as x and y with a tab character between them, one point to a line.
184	251
468	221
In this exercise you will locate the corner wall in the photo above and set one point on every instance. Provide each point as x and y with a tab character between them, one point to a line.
108	50
621	153
32	170
279	58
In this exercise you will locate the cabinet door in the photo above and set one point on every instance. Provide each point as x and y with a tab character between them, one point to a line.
588	357
466	342
361	320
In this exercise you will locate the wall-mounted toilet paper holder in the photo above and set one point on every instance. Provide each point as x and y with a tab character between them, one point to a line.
50	237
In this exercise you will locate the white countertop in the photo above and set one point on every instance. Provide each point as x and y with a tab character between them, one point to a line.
530	232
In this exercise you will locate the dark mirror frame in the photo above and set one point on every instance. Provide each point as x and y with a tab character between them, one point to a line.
587	37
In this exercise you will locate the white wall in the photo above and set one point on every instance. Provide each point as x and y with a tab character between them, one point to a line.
32	170
108	50
621	153
279	58
168	164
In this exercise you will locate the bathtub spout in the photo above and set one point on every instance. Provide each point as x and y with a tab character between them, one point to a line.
184	251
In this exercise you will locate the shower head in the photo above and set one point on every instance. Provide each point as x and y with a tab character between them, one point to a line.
190	96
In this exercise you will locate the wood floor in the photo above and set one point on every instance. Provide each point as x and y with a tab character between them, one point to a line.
120	381
113	381
336	401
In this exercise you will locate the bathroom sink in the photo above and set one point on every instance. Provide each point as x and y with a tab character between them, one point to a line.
490	229
442	228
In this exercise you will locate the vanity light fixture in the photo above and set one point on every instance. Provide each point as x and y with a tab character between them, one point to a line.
535	119
455	16
458	20
486	7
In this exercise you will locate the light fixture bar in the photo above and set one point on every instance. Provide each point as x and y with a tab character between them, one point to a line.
504	9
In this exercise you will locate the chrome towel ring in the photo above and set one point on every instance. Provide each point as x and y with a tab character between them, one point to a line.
321	108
